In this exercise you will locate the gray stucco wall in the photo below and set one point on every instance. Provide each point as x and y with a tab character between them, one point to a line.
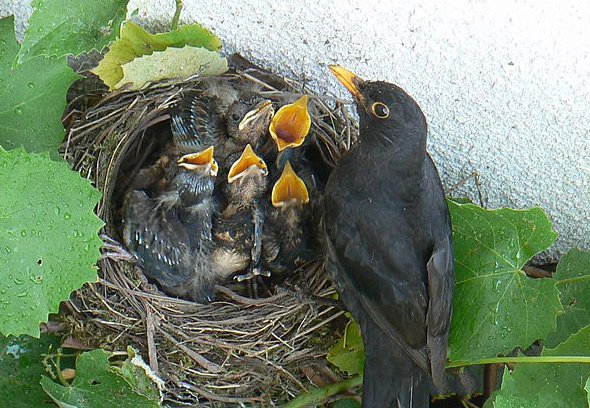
505	85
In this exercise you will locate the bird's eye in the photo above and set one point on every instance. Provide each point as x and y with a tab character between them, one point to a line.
380	110
235	117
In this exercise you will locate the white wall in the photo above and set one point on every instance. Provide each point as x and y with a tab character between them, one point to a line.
505	85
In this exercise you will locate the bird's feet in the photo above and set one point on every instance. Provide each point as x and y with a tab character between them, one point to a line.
253	272
112	249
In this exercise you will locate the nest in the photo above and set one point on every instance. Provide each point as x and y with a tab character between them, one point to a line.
236	350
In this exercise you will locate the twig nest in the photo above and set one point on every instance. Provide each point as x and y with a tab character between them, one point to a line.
236	349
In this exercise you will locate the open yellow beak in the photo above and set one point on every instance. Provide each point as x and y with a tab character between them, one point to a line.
246	160
289	187
193	161
349	80
290	125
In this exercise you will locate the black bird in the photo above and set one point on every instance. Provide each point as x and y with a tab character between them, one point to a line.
388	246
170	234
237	231
288	238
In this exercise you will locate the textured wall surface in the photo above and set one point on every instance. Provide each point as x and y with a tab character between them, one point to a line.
505	85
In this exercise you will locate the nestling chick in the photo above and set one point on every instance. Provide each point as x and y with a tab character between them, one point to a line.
170	235
288	238
238	229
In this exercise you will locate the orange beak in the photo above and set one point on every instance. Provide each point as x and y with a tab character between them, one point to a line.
349	80
289	187
290	125
194	161
246	160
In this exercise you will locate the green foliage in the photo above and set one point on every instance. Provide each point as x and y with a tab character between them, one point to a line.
573	282
100	384
61	27
32	96
172	63
347	403
48	238
348	354
135	42
496	306
21	368
549	385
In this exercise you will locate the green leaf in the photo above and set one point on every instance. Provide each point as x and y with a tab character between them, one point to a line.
98	384
48	238
348	354
172	63
61	27
136	42
347	403
32	97
549	385
21	368
496	306
573	283
587	389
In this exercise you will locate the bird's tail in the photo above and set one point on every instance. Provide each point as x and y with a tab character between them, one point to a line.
391	379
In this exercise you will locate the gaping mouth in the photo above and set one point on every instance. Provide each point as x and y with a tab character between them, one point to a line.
290	125
349	80
202	159
288	188
259	114
245	162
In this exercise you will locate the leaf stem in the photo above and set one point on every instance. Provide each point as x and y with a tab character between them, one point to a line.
319	395
174	25
524	359
58	368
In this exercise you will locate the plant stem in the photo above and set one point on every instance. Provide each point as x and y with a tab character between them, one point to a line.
319	395
58	369
174	25
524	359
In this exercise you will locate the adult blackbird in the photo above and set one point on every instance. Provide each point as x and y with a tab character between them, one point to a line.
170	234
388	246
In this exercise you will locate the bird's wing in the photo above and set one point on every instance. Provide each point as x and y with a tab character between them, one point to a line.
157	239
195	123
372	286
440	294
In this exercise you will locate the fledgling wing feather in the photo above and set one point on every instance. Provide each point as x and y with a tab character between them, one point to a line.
195	122
157	239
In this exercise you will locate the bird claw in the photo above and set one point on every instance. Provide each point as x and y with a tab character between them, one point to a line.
114	250
252	273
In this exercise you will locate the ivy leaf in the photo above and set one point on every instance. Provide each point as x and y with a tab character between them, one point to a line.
348	354
549	385
172	63
98	384
21	368
496	306
573	281
32	97
136	42
48	238
61	27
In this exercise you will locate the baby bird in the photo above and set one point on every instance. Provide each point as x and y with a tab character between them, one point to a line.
237	231
170	235
196	122
288	238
